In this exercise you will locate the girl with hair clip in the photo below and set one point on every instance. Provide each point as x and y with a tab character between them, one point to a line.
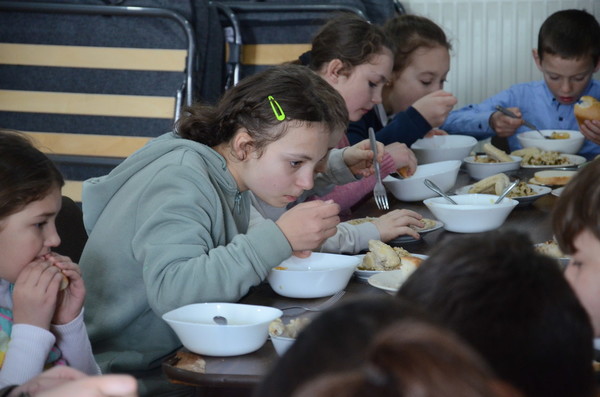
41	292
412	359
414	103
355	58
170	225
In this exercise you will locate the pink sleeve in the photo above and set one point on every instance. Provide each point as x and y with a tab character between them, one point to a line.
351	193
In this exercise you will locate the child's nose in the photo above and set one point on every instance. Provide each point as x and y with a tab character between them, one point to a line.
52	238
566	86
306	180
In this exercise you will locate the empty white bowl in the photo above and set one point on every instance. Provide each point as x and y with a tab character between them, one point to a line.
442	173
246	330
442	148
317	276
474	212
569	146
482	170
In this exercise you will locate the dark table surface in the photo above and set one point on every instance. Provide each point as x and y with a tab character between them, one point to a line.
246	371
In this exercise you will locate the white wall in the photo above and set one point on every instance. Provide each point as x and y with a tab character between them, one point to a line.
492	40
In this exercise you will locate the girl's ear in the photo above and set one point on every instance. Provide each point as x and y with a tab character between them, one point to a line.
242	144
333	70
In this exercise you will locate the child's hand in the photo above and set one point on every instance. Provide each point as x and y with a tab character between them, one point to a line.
396	223
591	130
359	158
70	300
307	225
434	132
504	125
403	156
35	293
434	107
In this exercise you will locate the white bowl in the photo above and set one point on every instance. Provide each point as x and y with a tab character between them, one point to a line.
483	170
246	331
443	173
443	147
317	276
281	343
569	146
474	212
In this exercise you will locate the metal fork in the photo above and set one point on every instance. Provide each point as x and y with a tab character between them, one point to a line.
317	308
379	191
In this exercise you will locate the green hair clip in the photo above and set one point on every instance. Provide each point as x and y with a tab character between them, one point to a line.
277	110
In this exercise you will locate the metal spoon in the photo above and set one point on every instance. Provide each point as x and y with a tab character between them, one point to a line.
437	189
220	320
507	190
514	116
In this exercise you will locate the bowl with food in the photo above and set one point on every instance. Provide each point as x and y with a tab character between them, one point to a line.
494	161
563	141
473	213
443	147
283	335
222	329
412	188
317	276
525	193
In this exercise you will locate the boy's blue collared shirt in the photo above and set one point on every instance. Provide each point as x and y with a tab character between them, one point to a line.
537	105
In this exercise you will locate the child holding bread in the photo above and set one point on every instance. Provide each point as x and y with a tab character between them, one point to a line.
41	292
568	54
576	225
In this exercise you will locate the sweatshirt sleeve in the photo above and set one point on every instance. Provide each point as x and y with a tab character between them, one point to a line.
25	358
351	193
73	341
406	127
351	239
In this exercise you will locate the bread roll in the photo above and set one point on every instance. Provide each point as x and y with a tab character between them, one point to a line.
588	108
553	177
495	153
494	184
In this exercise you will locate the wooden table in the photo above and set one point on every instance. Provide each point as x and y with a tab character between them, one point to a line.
246	371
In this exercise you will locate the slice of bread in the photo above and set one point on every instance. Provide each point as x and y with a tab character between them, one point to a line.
497	154
553	177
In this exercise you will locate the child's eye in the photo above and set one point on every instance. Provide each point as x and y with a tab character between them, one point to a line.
554	78
372	85
295	164
41	224
425	83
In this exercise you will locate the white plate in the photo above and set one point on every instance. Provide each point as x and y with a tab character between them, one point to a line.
363	275
556	192
524	200
389	281
573	160
406	239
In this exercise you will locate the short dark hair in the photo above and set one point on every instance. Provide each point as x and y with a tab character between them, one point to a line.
578	207
514	306
570	34
26	174
336	340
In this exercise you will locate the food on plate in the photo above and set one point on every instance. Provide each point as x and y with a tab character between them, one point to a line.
494	184
560	135
588	108
190	362
536	156
552	177
493	153
403	172
384	257
549	248
290	330
429	223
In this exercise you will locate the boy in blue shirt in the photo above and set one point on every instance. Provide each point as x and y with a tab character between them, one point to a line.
568	54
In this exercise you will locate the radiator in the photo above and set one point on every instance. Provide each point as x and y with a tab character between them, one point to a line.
492	40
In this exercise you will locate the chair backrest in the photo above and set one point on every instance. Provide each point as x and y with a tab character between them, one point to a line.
98	87
70	228
267	33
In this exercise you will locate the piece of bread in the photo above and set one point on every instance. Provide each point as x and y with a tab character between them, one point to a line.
527	151
403	171
588	108
493	184
553	177
495	153
64	283
190	362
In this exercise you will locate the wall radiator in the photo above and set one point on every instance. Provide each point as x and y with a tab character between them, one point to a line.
492	40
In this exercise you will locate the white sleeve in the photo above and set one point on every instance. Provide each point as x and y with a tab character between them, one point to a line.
73	341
